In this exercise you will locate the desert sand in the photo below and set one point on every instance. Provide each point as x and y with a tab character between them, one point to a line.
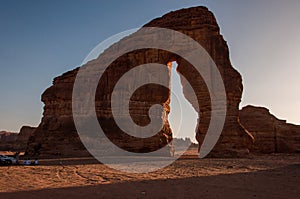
266	176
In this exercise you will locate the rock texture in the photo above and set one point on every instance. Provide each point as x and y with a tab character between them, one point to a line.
271	135
200	24
16	141
56	135
25	133
7	140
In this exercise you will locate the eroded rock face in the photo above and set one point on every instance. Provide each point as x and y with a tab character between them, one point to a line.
7	140
271	135
25	133
16	141
200	24
56	135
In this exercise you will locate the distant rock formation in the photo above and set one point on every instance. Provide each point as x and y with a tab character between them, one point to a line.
8	136
271	135
7	140
16	141
22	140
56	134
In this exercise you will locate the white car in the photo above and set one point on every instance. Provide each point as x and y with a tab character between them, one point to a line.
5	160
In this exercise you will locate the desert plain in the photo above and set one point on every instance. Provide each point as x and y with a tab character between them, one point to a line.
263	176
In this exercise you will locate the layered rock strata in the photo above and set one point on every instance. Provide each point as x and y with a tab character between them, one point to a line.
271	135
56	135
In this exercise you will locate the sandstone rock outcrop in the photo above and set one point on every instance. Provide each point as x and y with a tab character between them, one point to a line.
16	141
56	135
7	140
25	133
201	25
271	135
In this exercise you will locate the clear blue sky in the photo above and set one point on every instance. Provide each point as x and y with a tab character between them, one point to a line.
42	39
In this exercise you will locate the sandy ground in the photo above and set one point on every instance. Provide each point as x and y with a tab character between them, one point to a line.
272	176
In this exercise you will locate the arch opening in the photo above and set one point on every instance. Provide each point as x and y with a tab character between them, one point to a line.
182	117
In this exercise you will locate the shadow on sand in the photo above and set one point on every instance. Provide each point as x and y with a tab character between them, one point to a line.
72	161
276	183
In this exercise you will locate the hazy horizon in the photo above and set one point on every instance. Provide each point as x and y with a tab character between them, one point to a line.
42	39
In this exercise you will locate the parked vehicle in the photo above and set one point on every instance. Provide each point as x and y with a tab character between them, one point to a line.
5	160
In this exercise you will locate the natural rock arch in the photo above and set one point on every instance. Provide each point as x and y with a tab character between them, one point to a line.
56	135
